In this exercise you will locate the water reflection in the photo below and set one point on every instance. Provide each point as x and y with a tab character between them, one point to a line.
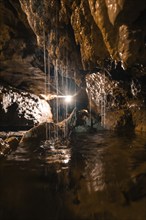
50	152
100	176
55	153
102	161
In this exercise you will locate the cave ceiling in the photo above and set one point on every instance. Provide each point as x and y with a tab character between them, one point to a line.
79	35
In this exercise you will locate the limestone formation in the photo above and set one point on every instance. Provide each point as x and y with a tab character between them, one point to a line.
80	38
8	145
51	131
22	109
119	102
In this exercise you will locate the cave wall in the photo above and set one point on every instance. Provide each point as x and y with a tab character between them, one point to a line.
79	35
83	39
21	71
90	31
21	60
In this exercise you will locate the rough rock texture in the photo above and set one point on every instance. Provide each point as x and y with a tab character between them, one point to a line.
122	26
79	37
120	102
21	58
22	68
54	131
100	29
22	109
77	34
8	145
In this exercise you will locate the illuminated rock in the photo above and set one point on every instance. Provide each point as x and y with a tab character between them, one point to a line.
8	145
119	102
79	36
22	109
52	131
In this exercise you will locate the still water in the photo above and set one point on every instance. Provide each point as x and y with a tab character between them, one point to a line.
98	177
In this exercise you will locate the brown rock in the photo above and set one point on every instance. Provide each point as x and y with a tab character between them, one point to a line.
19	109
13	142
117	120
79	36
8	145
139	119
4	148
52	130
120	103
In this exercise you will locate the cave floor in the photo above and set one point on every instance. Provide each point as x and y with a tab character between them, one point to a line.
99	176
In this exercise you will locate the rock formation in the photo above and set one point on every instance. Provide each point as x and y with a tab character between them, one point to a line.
57	132
84	40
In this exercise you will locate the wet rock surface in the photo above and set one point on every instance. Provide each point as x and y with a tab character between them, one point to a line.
101	45
8	145
20	109
79	38
97	176
50	131
120	32
19	50
22	75
87	122
119	101
105	24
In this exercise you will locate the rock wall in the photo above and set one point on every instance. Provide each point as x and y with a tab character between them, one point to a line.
89	31
81	38
120	102
79	35
22	109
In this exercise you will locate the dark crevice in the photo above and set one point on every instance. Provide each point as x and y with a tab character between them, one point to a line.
9	5
141	20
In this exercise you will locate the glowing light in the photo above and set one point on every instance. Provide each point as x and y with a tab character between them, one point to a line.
66	160
68	98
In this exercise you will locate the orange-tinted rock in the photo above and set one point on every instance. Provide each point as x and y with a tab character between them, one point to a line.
79	36
8	145
19	109
120	103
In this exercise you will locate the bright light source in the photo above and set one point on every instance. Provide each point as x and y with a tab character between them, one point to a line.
68	98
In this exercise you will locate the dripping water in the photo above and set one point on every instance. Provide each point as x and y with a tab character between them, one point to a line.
75	92
56	73
66	91
103	101
57	105
90	116
60	92
45	71
48	77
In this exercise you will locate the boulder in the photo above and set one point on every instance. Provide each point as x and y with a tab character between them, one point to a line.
46	130
8	145
119	100
20	109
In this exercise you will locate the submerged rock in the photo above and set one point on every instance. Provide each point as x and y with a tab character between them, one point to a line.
8	145
51	130
135	189
4	148
87	122
139	118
